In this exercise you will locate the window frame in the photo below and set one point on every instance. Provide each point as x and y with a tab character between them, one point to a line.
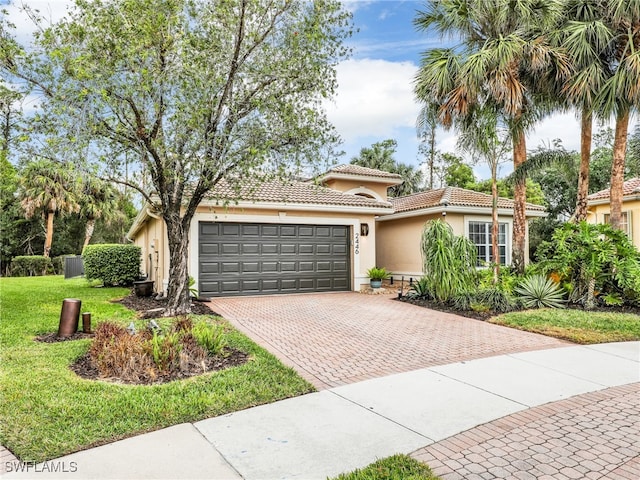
508	222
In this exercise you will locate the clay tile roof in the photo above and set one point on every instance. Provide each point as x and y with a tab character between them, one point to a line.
630	187
451	196
364	171
293	191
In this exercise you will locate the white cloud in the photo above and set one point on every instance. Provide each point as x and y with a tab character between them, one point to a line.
374	97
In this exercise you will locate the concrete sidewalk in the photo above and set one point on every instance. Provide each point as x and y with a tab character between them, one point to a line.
337	430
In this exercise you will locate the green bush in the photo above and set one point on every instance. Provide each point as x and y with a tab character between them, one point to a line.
112	264
495	299
30	266
593	258
448	261
538	291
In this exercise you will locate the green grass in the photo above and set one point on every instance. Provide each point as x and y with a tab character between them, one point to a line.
575	325
47	411
397	467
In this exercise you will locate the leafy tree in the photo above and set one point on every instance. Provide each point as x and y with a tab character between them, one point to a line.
197	91
49	187
380	157
503	62
457	173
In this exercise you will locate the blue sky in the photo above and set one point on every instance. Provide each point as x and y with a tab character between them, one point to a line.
375	98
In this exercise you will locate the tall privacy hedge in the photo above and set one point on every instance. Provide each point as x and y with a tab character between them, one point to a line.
112	263
30	266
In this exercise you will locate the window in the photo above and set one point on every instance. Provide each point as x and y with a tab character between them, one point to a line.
480	234
625	222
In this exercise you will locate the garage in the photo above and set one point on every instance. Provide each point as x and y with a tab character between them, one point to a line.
265	258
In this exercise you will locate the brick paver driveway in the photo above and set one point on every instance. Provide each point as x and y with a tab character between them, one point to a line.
333	339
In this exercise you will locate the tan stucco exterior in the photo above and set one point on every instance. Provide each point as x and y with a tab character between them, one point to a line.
398	239
358	187
630	205
152	236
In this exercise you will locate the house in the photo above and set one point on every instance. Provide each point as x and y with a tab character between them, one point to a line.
599	208
399	234
312	236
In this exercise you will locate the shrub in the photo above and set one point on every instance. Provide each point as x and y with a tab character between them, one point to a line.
112	264
538	291
495	299
592	258
419	289
165	350
30	266
449	261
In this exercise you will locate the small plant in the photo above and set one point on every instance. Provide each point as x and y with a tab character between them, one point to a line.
419	289
462	301
612	300
495	299
538	291
210	337
165	350
378	274
193	291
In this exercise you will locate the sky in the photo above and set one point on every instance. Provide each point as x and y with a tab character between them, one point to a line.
375	99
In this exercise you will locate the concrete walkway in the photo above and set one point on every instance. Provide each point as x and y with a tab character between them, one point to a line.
339	429
334	339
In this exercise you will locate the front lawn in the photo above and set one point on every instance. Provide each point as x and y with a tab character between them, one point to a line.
397	467
47	411
575	325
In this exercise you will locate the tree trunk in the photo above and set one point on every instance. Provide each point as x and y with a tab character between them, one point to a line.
49	233
495	249
88	231
617	167
432	155
519	207
179	301
585	158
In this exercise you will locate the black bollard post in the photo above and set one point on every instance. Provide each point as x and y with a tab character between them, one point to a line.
69	317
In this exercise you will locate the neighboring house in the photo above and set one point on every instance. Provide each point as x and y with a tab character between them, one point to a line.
468	212
599	208
314	236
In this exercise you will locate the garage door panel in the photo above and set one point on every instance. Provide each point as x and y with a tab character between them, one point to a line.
250	259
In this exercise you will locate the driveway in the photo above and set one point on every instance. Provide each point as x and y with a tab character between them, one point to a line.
334	339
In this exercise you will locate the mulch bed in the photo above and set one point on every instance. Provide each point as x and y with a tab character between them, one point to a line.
487	315
152	307
84	368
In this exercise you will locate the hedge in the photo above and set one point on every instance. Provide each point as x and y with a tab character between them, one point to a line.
30	266
113	264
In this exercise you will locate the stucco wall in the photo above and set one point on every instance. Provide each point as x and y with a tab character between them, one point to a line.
597	213
398	240
359	187
363	248
152	239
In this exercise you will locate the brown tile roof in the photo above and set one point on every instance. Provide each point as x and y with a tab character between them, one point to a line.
350	169
452	196
293	191
629	187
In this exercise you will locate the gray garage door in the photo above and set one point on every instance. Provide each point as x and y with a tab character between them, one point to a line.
254	259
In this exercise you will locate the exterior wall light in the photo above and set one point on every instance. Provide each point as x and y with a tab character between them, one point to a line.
364	229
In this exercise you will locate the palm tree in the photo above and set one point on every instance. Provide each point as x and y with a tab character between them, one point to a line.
620	95
503	61
51	187
481	135
98	200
